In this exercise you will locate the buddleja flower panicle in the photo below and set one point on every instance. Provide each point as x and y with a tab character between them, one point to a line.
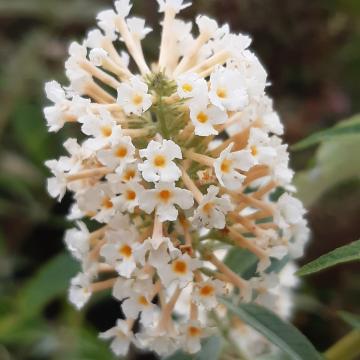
180	165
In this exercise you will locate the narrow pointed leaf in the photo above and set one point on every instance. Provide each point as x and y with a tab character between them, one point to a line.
282	334
348	127
352	319
340	255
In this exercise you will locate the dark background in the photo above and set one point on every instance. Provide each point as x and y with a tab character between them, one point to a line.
312	53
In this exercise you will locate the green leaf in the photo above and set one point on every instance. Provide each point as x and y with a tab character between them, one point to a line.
340	255
352	319
242	262
210	350
335	163
50	281
289	339
348	127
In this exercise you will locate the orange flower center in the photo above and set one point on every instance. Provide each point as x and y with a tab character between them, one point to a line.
194	331
143	301
226	166
106	131
125	251
207	290
159	161
254	150
165	195
130	195
221	93
129	174
137	99
121	152
180	267
202	117
207	208
107	203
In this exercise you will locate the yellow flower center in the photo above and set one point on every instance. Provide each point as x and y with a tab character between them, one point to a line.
121	152
159	161
254	150
221	93
202	117
125	251
187	87
137	99
130	195
180	267
143	301
107	203
226	166
106	131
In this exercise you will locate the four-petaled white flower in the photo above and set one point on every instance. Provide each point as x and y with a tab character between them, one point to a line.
134	97
205	293
205	118
122	336
119	155
180	271
227	165
118	252
137	28
159	164
80	292
228	89
164	198
190	86
192	334
174	5
131	194
77	240
212	210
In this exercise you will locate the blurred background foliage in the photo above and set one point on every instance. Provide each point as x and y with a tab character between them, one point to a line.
312	52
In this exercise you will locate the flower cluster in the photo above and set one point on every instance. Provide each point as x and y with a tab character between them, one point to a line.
175	162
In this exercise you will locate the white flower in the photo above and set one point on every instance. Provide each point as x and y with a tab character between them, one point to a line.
228	90
212	210
227	164
101	127
97	56
192	333
160	252
134	97
180	271
206	292
137	28
123	7
190	86
159	164
98	201
77	240
136	297
289	211
79	292
131	193
260	147
164	198
130	173
205	118
57	185
120	155
118	252
122	337
174	5
207	25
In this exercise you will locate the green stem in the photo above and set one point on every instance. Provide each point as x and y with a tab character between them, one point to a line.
162	121
347	348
